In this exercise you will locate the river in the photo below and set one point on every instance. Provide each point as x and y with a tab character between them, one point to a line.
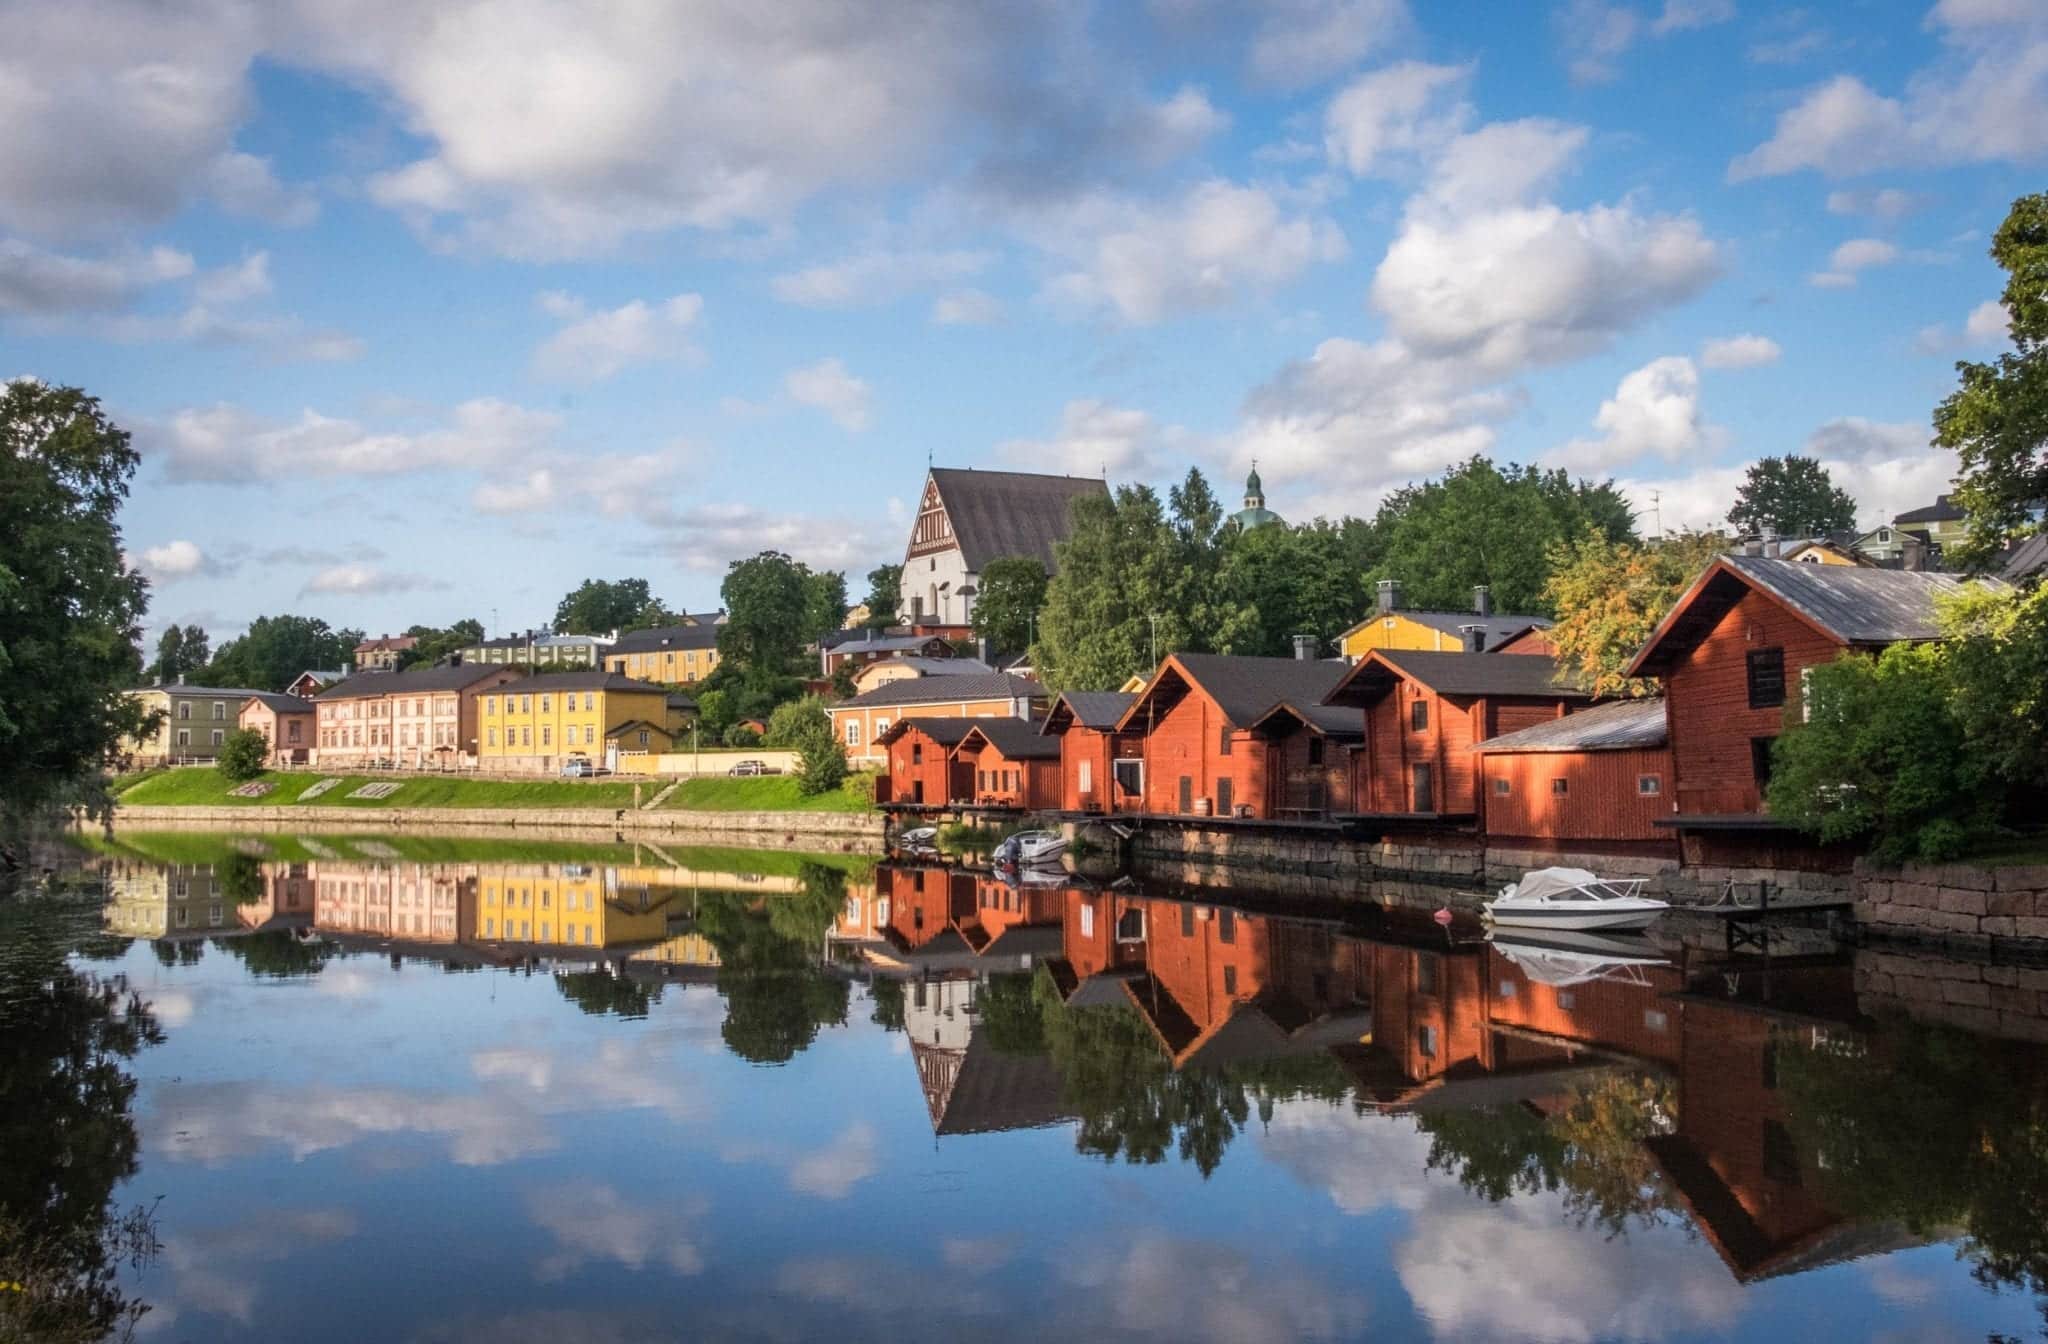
271	1086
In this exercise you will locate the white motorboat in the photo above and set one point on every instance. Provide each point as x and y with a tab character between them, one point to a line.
1573	898
919	837
1562	958
1029	848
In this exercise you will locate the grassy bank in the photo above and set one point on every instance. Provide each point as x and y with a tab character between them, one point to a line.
205	787
759	793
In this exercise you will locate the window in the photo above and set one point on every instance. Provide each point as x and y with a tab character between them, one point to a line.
1223	741
1805	694
853	732
184	737
544	704
1130	926
184	709
590	699
1566	999
1656	1020
1502	788
1315	750
219	736
1760	761
491	737
526	737
490	704
1425	1042
1427	965
643	737
547	736
1226	926
1766	678
1418	716
1187	921
525	703
1781	1156
1088	920
917	754
1129	775
1230	981
881	726
220	710
1507	989
1649	786
1560	787
1087	777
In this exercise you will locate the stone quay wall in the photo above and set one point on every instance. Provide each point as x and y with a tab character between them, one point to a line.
1974	910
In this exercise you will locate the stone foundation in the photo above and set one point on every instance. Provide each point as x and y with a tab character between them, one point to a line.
1975	910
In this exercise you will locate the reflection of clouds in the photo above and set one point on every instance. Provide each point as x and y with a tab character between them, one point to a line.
1364	1162
346	981
595	1223
211	1267
833	1171
1161	1287
506	1119
977	1255
883	1288
1520	1270
1898	1283
171	1007
554	1327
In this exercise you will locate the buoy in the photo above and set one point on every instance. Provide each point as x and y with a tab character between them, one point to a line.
1443	916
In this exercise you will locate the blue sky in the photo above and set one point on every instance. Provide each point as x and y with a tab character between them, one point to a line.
422	311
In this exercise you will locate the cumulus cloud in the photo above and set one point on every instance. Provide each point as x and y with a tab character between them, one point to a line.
1988	324
1094	438
231	444
1740	352
1142	263
1654	413
593	346
43	283
244	184
1395	114
276	339
706	537
1302	42
966	307
247	279
828	387
1887	203
1980	100
175	560
1595	34
874	277
366	580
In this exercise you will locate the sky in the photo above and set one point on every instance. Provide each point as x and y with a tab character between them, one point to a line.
419	311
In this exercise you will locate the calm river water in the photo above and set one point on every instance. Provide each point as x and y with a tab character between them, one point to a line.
408	1088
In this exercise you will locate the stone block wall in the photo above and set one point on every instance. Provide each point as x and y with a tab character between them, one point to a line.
1972	909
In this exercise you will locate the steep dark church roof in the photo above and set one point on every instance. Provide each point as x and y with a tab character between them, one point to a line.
1009	513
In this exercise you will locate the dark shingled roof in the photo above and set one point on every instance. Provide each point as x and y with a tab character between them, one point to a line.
2025	559
439	677
589	679
282	703
1087	709
1944	509
1017	739
665	637
1002	513
945	732
1446	673
1852	604
867	641
1245	688
1620	725
180	688
947	690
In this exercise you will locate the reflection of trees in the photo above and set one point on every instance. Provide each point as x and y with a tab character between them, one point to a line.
776	993
1936	1129
277	953
170	952
888	996
1591	1149
239	879
68	1141
1010	1019
1132	1102
600	992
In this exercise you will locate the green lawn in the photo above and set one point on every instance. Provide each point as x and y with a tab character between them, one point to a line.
197	847
759	793
198	786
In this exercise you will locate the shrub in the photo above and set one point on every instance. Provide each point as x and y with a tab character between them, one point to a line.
242	755
821	764
739	735
794	721
860	785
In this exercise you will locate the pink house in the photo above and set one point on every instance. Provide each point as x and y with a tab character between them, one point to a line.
285	721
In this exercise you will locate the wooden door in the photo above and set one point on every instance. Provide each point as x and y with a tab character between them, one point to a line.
1425	792
1223	799
1187	794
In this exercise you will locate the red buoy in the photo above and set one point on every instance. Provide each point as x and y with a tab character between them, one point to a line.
1443	916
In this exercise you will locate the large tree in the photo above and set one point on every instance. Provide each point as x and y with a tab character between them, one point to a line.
1482	524
885	594
276	649
437	642
70	606
824	602
600	606
1791	496
181	651
1012	591
1115	605
1276	582
774	606
1609	596
1997	419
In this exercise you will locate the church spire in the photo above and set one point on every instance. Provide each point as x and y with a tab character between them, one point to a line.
1254	489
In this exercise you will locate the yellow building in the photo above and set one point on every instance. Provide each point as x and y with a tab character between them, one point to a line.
674	655
1394	626
1820	552
538	723
565	905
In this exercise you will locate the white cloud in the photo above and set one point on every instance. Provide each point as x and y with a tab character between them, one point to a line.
1989	323
364	580
611	485
1594	34
828	387
599	345
1681	15
1154	1286
1887	203
1654	413
1980	100
175	560
706	537
244	184
227	443
1219	242
39	282
1400	112
1301	42
1746	351
247	279
1886	467
531	493
276	339
1502	163
1858	254
966	307
1094	438
874	277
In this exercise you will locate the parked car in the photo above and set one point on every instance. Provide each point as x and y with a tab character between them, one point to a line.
582	767
751	767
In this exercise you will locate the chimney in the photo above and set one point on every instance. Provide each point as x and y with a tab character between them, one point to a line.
1752	547
981	650
1482	600
1475	636
1390	596
181	678
1770	546
1305	648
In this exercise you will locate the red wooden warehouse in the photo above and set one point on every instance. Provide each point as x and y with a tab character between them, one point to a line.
1010	764
921	772
1425	711
1090	748
1597	779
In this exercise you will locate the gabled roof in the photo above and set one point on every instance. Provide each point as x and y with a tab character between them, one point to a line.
283	704
180	688
2025	559
1009	513
1016	739
657	638
1446	673
946	691
1620	725
1944	509
636	725
933	667
1243	688
439	677
871	641
1849	605
1500	627
945	732
1329	720
1086	709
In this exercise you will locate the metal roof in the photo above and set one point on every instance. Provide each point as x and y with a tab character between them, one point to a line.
1245	688
946	732
2025	559
282	703
871	641
1009	513
1447	673
934	667
439	677
1944	509
1089	709
1017	739
1499	626
180	688
1620	725
660	637
946	691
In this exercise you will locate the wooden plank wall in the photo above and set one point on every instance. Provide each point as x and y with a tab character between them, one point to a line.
1602	800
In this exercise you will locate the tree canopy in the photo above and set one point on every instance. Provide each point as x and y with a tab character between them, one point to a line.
70	606
1997	418
885	592
1609	597
1012	591
276	649
437	642
600	606
181	651
1791	496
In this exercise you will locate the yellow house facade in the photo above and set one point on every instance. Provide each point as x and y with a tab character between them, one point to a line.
563	905
1394	626
538	723
673	655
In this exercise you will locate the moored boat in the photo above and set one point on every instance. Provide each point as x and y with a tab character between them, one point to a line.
1026	848
919	837
1574	899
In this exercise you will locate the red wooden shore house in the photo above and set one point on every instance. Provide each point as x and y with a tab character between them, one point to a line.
1425	711
921	771
1090	748
1010	764
1203	754
1597	779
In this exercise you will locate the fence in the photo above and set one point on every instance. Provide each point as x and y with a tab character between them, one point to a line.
690	764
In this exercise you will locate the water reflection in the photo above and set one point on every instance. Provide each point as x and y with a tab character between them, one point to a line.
1286	1120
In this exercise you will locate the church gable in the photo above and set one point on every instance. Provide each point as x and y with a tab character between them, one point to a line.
933	531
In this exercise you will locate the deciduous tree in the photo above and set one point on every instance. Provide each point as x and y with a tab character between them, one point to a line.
1609	597
1791	496
275	649
1012	593
885	591
600	606
242	756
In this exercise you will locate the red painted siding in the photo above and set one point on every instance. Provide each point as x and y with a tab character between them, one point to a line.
1603	798
921	770
1186	742
1100	749
997	781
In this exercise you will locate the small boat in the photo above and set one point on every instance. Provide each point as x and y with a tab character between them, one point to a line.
1562	958
1573	898
919	837
1027	848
